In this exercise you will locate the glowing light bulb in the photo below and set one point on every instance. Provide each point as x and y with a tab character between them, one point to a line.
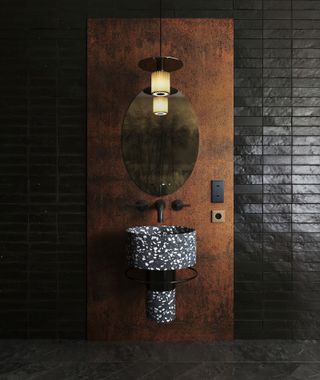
160	105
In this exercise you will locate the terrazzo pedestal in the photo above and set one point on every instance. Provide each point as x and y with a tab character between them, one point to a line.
161	305
160	251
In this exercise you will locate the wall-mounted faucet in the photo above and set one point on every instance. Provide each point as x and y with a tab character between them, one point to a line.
160	205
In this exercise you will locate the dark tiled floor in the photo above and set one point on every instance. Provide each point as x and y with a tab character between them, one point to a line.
239	360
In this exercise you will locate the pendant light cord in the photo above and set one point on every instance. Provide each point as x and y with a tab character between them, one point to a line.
160	13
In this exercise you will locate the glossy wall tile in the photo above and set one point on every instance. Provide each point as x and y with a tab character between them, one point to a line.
277	164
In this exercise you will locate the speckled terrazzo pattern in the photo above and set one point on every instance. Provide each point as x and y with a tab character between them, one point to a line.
161	247
161	306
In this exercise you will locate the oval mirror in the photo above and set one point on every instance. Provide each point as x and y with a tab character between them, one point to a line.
160	152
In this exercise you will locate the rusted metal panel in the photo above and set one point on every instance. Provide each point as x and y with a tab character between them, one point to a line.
116	306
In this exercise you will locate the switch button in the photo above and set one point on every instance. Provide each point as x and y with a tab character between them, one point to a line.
217	191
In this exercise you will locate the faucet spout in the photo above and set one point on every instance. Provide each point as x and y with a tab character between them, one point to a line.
160	205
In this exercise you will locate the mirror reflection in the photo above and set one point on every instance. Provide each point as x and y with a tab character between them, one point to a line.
160	152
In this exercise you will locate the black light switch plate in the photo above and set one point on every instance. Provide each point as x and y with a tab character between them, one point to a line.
217	191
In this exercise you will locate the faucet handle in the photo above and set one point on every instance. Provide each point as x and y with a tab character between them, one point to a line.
178	205
141	205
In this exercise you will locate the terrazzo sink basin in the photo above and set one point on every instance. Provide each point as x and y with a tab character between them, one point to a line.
161	247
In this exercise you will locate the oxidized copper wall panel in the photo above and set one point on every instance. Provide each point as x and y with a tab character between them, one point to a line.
116	306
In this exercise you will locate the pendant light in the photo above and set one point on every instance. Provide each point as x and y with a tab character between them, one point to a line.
160	68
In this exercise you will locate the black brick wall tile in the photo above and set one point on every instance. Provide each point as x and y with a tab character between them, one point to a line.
289	106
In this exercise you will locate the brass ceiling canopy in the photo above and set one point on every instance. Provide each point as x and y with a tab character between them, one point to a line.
168	64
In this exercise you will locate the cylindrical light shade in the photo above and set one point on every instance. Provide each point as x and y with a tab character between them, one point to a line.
160	83
160	105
